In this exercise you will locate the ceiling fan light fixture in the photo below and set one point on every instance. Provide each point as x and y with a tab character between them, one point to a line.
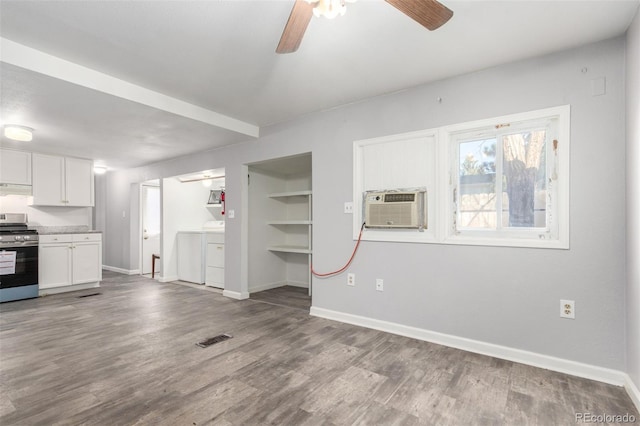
18	133
328	8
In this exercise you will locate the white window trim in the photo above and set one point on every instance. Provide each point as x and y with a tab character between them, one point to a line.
430	235
441	223
511	238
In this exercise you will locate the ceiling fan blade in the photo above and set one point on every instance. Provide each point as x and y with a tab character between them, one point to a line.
295	28
428	13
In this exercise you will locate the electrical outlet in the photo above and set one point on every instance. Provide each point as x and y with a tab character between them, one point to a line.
348	207
351	279
568	309
379	284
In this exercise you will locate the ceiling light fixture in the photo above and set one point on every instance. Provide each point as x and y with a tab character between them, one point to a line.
100	170
329	8
18	133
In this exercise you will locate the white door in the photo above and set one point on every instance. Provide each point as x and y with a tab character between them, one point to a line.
150	226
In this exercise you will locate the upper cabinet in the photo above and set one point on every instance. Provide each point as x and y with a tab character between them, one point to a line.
62	181
15	167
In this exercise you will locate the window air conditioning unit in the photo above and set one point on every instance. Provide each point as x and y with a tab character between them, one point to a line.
396	209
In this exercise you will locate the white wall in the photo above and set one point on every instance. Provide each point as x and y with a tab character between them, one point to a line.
46	216
633	201
514	300
266	269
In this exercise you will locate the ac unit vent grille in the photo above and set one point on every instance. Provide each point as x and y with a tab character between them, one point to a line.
390	214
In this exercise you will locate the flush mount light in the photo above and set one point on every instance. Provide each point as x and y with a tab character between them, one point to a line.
329	8
100	170
18	133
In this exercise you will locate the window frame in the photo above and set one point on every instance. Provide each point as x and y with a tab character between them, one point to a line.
556	234
440	161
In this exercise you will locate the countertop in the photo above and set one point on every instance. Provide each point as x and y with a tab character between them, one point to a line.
60	230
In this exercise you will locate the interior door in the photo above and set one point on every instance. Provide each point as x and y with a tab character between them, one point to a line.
150	225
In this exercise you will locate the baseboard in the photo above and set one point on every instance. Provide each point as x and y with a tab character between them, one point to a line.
547	362
167	279
268	286
235	295
297	284
121	270
633	391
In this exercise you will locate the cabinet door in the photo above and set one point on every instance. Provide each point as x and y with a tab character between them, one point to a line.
87	262
48	180
79	182
54	265
15	167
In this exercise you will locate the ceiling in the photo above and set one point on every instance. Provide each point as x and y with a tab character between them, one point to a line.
144	81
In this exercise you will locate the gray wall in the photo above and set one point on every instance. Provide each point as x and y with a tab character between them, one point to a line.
512	296
633	201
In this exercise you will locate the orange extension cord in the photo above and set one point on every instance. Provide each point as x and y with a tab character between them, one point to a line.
355	249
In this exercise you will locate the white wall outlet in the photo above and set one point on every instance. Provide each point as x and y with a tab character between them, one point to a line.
568	309
231	214
379	284
351	279
348	207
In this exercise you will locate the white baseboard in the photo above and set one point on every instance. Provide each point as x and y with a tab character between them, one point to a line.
269	286
121	270
235	295
547	362
298	284
167	279
633	391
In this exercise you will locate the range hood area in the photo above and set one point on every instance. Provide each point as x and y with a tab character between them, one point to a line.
14	189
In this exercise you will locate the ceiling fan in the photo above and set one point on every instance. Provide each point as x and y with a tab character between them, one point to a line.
428	13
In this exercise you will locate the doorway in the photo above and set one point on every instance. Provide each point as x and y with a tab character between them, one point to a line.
279	221
149	226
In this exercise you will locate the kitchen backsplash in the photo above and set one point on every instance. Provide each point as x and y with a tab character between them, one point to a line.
46	216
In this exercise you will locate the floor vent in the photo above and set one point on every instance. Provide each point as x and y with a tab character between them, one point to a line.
89	295
213	340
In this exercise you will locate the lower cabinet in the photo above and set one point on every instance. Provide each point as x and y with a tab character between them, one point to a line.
69	259
214	276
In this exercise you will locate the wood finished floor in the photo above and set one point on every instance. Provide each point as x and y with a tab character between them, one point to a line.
288	296
128	356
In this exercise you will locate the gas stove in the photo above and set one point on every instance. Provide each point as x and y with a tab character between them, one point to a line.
18	258
14	231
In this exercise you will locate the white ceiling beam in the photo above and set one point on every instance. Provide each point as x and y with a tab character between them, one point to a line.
25	57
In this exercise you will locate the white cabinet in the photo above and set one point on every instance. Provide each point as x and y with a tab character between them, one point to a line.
15	167
60	181
54	263
69	259
215	260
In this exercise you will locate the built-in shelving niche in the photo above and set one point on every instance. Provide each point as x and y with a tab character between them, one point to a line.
280	223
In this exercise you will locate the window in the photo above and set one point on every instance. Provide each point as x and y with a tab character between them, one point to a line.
508	183
501	181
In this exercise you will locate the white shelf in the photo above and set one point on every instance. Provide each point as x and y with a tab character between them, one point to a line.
289	222
290	249
290	194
